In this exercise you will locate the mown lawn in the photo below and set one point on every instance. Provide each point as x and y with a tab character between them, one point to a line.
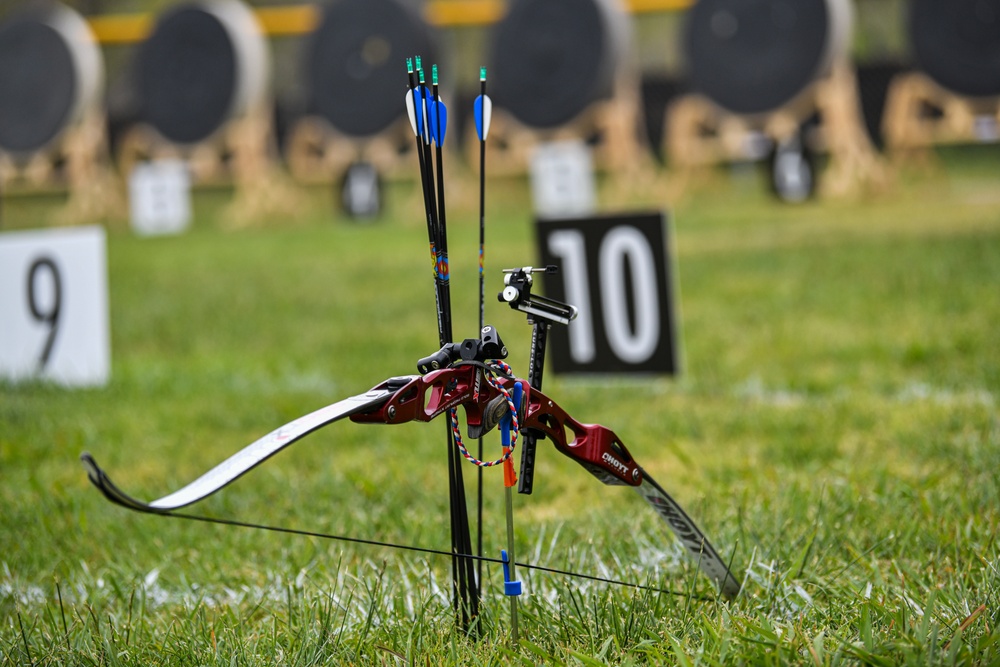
836	431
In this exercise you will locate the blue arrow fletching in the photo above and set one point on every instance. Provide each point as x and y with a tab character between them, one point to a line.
483	109
418	106
438	116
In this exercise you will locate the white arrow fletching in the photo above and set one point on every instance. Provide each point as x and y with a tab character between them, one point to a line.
411	112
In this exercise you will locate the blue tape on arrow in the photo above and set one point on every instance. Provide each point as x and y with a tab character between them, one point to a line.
505	421
483	110
509	587
438	115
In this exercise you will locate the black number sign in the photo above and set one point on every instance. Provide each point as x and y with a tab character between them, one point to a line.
615	270
50	315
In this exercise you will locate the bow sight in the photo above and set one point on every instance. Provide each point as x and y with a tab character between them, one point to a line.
517	294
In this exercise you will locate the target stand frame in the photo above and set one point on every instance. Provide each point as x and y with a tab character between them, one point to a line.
242	152
699	134
319	154
909	130
620	149
77	162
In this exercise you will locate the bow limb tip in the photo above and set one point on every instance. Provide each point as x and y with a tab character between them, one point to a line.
100	479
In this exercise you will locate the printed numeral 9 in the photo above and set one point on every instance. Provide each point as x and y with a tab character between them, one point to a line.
50	315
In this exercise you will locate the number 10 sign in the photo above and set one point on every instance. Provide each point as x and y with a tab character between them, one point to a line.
615	270
54	306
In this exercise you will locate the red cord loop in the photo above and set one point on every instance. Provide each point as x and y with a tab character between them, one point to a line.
457	433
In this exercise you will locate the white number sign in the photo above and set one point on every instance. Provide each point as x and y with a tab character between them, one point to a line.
160	197
54	306
562	180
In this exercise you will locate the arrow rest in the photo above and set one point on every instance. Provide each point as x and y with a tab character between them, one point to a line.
484	349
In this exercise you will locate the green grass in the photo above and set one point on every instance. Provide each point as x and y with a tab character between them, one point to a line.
836	431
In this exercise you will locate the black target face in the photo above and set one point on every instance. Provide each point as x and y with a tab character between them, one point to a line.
355	63
753	56
957	43
550	60
187	75
38	85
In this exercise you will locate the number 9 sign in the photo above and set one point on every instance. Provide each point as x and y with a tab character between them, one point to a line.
615	270
54	306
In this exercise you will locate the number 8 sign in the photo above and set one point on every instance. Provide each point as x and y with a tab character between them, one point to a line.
54	306
615	270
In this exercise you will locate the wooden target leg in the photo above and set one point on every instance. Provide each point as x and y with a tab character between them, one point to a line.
261	190
95	193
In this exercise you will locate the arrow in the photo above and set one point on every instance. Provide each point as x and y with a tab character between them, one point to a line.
509	424
478	111
419	106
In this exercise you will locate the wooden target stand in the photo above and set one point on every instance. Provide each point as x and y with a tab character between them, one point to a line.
242	153
78	162
318	154
920	114
614	126
698	134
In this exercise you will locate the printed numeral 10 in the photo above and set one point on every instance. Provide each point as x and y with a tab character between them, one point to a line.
632	344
